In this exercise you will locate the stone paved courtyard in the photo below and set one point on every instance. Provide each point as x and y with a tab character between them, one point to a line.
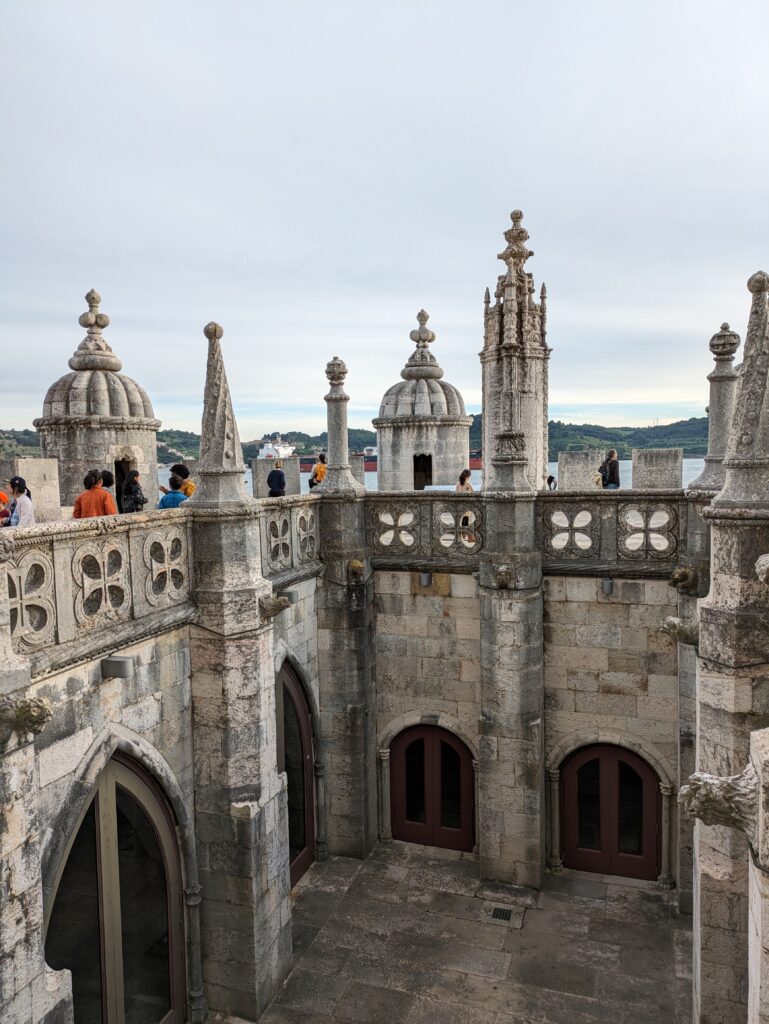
408	936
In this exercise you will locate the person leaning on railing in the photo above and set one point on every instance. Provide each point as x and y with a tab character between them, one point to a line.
22	513
609	471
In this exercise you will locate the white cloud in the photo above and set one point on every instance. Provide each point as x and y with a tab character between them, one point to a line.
310	175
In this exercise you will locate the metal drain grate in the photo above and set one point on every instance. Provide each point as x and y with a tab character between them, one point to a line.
501	914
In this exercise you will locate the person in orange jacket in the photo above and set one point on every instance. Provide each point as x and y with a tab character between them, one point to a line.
94	500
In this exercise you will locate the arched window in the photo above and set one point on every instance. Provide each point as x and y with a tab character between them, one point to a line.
432	788
610	811
296	759
116	921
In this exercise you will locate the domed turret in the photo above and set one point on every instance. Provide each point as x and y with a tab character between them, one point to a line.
96	417
422	427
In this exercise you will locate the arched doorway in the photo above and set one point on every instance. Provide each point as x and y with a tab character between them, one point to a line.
116	921
610	811
432	798
296	759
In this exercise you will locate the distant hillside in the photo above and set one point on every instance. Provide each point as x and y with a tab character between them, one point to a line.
691	435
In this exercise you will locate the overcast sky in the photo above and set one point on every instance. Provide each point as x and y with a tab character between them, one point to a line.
311	174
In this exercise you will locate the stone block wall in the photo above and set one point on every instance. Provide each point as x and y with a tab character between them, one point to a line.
296	635
427	648
606	663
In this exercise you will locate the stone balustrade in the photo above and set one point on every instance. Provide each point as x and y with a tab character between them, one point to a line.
597	533
434	529
81	587
289	537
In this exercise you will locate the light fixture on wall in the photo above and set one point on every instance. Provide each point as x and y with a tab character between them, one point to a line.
607	586
117	667
425	579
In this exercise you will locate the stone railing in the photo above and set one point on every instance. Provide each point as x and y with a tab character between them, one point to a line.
289	536
640	533
433	529
71	583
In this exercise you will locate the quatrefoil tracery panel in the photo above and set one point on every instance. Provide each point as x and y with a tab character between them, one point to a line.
570	532
165	557
279	540
102	589
307	535
31	599
458	528
647	531
397	528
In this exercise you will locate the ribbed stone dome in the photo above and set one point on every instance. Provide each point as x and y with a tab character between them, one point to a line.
97	393
422	391
422	398
96	387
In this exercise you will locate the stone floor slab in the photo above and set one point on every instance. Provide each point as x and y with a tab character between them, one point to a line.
405	938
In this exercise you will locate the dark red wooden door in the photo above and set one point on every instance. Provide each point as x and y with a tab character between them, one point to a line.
296	756
432	789
610	807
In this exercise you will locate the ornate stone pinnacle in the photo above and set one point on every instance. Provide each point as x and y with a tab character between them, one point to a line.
213	331
336	371
758	282
725	343
422	335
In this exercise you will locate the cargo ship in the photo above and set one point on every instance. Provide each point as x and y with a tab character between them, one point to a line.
369	455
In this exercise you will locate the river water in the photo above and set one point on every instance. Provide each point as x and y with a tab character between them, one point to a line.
692	468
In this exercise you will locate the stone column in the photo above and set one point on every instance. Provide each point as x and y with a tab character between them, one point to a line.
511	759
665	880
723	391
339	476
321	840
554	862
241	813
385	811
732	670
345	644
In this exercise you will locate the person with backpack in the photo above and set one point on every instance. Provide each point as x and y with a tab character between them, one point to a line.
318	471
609	471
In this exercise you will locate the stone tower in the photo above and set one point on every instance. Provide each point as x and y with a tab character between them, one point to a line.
97	418
423	432
514	365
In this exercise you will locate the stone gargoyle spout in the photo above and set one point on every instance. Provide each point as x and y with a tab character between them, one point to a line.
724	800
683	631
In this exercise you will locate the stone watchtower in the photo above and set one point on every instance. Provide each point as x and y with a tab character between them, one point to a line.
97	418
423	431
514	364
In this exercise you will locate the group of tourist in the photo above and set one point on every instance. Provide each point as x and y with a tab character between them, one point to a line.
96	498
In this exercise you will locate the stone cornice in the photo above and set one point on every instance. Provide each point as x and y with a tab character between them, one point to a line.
97	422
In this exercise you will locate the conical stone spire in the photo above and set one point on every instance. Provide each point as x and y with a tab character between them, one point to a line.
221	467
747	451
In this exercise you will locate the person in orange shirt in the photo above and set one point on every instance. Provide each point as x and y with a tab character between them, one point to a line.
318	471
5	512
94	501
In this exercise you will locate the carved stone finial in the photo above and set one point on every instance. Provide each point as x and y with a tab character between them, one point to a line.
213	331
422	364
516	253
221	467
336	371
725	342
93	352
730	801
422	335
486	300
23	716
